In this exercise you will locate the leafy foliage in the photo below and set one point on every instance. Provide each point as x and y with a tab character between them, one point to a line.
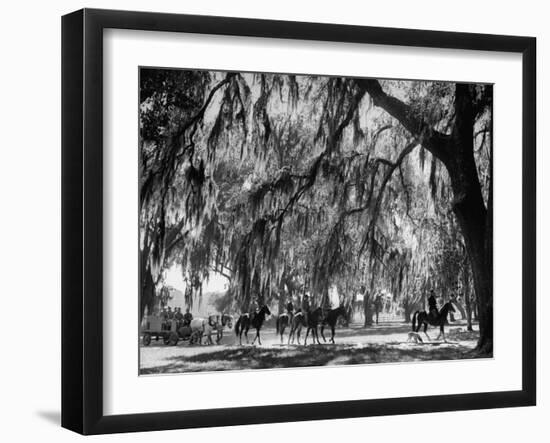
288	184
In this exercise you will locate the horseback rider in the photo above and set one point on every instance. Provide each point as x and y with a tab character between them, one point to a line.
255	307
289	307
187	317
432	304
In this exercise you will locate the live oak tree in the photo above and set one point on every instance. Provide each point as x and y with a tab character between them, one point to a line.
286	184
454	148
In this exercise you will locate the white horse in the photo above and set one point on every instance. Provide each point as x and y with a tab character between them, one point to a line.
204	327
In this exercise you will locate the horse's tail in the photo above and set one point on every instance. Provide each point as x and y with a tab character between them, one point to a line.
237	325
414	320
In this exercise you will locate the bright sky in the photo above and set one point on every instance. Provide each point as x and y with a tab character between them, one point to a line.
216	283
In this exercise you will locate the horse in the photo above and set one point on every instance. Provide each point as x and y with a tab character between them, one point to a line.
422	317
204	327
331	319
283	321
296	324
256	320
313	319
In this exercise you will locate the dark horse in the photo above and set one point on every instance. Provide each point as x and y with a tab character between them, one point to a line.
331	319
256	320
435	320
313	319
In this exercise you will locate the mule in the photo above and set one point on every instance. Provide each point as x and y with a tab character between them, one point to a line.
331	318
255	320
423	318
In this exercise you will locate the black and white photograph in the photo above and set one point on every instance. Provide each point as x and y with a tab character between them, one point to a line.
301	220
256	222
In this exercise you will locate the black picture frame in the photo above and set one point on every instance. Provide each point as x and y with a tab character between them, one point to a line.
82	220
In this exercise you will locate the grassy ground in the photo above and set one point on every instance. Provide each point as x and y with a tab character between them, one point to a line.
355	345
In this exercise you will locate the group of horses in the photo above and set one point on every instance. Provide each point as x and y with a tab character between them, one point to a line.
310	320
319	317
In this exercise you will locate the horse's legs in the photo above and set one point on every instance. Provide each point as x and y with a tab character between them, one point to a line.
307	333
299	333
259	338
322	332
442	333
332	332
425	331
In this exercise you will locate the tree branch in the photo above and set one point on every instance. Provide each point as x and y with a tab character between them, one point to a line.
434	141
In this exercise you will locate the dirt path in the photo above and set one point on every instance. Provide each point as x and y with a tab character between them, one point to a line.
354	345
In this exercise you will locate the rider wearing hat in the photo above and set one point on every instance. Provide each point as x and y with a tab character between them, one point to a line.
289	307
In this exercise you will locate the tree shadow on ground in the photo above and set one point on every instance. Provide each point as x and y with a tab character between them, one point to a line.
249	357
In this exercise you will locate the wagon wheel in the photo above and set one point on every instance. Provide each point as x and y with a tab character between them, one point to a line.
166	338
146	339
173	338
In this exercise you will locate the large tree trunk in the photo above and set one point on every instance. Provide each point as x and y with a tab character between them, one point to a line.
457	154
474	219
147	294
367	310
467	296
473	229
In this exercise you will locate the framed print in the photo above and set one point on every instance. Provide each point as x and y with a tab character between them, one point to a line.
282	221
